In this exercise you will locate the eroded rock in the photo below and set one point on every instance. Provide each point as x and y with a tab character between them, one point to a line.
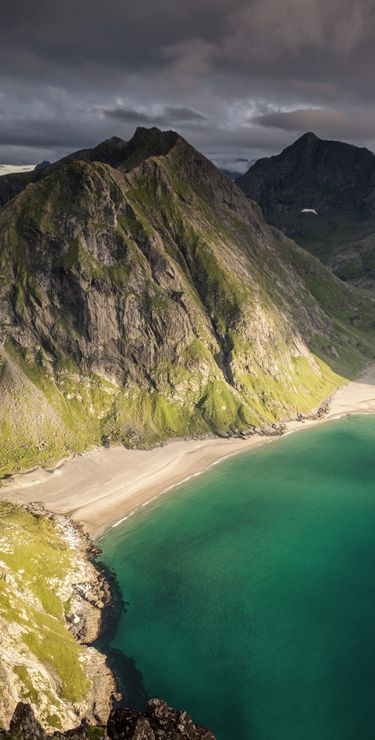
159	721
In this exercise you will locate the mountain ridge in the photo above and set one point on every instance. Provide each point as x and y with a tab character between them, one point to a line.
112	151
335	179
150	299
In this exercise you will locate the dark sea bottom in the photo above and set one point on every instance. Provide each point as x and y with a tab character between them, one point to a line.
251	590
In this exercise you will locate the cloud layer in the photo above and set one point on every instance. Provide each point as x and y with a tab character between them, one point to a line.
238	78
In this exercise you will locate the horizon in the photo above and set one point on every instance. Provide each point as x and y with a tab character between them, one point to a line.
239	80
6	169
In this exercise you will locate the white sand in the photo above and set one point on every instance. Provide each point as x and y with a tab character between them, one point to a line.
104	486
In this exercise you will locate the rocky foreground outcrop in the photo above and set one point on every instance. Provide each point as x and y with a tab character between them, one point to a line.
51	677
158	721
51	601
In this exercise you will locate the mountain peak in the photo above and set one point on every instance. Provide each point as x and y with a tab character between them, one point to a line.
336	180
306	142
156	265
145	143
113	140
309	136
114	151
154	140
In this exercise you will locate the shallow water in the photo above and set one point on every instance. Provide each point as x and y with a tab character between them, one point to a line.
251	590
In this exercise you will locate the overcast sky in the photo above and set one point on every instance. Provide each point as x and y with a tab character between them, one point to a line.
239	79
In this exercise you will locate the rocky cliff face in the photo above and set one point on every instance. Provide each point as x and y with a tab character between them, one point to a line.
51	598
335	179
53	683
142	296
158	721
11	185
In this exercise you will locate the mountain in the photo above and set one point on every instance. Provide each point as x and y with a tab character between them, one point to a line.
335	179
13	183
143	296
229	173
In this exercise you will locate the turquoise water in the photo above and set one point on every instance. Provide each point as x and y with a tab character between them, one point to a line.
251	590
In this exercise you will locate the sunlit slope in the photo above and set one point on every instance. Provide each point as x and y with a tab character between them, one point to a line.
144	297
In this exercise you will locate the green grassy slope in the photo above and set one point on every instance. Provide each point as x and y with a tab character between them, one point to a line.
42	661
149	299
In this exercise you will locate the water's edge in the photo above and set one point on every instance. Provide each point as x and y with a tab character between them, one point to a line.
343	504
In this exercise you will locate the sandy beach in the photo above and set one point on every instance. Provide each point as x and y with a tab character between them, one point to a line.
104	486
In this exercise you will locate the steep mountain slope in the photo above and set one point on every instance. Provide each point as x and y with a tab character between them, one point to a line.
14	183
114	151
335	179
142	296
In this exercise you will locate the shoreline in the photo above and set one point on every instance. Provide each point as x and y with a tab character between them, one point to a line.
103	487
67	603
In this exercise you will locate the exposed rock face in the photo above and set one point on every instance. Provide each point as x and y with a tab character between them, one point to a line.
313	173
51	597
11	185
159	721
24	724
143	297
336	180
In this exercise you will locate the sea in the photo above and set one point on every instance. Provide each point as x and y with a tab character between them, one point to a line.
249	591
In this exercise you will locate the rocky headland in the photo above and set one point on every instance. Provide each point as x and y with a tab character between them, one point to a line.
51	600
157	721
54	682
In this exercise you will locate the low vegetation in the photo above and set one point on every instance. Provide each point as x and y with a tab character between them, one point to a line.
42	660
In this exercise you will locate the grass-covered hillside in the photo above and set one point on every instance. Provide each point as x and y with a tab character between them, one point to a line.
142	296
40	660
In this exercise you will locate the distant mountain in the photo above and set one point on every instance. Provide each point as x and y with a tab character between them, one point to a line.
333	178
42	165
236	168
142	296
229	173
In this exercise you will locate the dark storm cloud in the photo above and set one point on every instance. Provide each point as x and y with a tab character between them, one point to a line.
39	135
238	77
129	115
328	123
183	114
168	115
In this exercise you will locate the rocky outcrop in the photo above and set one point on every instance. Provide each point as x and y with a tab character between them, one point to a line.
13	184
158	721
142	297
54	683
322	194
24	724
51	600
